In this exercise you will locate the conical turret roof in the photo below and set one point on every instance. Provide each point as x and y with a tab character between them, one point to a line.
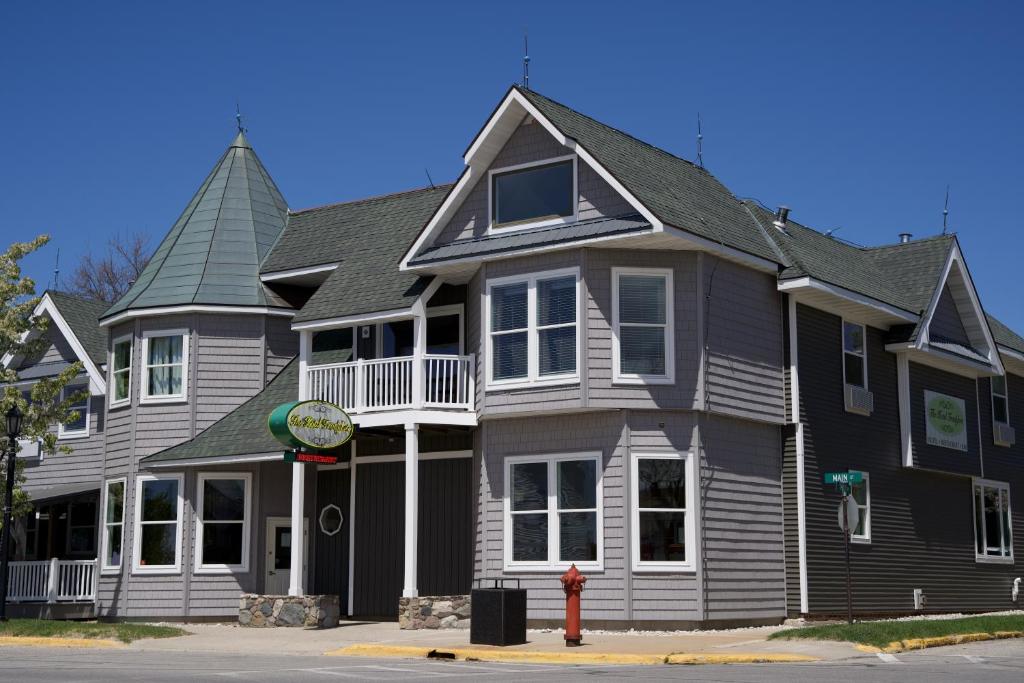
212	254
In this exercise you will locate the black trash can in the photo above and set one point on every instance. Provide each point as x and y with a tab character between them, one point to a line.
498	614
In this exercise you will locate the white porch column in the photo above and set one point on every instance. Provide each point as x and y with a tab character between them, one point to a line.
419	326
296	575
412	479
305	353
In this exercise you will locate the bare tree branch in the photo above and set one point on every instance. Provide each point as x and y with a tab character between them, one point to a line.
108	276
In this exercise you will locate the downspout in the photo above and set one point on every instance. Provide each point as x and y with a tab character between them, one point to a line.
798	436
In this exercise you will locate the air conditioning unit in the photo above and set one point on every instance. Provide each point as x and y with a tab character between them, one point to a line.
920	599
859	400
1003	434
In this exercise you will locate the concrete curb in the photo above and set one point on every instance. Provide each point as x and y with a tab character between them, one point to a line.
939	641
475	654
39	641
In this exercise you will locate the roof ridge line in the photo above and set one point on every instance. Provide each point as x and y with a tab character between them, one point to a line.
899	245
216	221
371	198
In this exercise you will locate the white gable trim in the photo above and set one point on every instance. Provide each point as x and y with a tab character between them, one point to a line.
956	258
514	105
97	383
793	287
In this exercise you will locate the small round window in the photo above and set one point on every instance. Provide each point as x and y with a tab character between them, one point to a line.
331	519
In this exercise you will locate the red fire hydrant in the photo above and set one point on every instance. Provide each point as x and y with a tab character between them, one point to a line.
572	584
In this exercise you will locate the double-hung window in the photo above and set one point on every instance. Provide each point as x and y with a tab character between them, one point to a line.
861	494
1000	400
855	366
663	513
993	532
222	524
533	195
157	532
78	427
533	335
553	512
165	366
121	371
113	525
642	339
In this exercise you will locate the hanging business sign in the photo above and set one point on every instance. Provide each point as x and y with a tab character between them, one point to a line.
945	421
314	425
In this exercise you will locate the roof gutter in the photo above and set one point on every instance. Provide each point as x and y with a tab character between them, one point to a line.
213	460
195	308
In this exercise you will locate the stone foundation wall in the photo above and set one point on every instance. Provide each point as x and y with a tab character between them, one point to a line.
269	611
434	611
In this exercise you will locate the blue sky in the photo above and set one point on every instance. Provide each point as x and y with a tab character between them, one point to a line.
856	115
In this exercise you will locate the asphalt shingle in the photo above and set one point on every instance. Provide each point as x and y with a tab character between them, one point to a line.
83	317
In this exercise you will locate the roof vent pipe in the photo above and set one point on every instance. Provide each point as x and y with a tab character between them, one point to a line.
781	216
905	237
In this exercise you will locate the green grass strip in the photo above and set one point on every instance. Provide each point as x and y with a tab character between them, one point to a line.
125	632
881	633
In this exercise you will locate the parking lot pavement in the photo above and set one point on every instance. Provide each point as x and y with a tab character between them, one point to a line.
984	662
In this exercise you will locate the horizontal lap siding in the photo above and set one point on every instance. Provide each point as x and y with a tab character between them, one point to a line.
922	533
924	378
744	338
230	365
84	464
791	526
282	345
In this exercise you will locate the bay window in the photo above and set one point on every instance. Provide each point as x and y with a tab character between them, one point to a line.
222	522
553	512
993	533
642	338
165	370
121	371
113	525
663	513
533	335
157	530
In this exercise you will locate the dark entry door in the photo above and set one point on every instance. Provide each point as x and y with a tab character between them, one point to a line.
330	576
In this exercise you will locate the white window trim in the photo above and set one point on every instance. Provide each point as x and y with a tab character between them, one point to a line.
201	568
493	228
83	433
688	565
863	356
181	397
1005	397
864	538
104	567
533	377
137	526
112	380
618	377
1004	487
553	564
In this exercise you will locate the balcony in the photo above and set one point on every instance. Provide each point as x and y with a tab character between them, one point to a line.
368	388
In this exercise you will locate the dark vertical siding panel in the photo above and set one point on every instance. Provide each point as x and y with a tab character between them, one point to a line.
380	533
330	574
445	527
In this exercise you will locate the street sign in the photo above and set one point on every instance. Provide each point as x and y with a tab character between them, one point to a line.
852	514
318	458
844	478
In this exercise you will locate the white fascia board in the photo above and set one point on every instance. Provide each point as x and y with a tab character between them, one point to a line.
1011	353
401	417
97	383
361	318
755	262
297	272
197	308
224	460
843	293
943	360
420	307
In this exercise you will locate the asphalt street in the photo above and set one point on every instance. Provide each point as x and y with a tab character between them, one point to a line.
983	662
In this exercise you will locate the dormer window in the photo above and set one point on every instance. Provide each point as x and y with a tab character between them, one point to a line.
534	195
79	427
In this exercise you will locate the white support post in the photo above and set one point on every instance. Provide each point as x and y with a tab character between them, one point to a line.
412	464
52	581
305	353
351	526
418	366
296	574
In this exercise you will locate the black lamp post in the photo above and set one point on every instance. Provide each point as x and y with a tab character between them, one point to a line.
14	420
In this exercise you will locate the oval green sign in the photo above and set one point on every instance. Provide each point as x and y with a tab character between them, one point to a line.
946	415
318	425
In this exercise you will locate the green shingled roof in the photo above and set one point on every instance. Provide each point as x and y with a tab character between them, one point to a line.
212	253
83	317
368	238
1004	335
244	430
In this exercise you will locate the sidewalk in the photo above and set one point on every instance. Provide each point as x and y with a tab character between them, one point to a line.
387	640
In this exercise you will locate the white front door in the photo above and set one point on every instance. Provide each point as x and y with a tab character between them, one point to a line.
279	553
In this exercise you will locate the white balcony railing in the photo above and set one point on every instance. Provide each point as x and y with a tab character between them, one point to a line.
52	581
406	382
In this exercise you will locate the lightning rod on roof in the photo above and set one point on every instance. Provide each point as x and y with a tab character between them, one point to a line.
429	179
945	212
56	271
526	61
700	142
238	117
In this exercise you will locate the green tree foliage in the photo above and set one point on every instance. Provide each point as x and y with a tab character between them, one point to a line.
23	335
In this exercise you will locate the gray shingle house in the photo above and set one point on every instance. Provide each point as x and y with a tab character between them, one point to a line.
585	350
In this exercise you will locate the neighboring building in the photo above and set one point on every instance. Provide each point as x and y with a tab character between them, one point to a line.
585	350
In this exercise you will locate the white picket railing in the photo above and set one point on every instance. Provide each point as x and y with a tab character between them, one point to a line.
52	581
437	381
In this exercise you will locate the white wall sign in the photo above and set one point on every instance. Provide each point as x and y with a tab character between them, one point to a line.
946	421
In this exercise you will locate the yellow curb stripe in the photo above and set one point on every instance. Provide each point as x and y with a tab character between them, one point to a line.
465	654
955	639
38	641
